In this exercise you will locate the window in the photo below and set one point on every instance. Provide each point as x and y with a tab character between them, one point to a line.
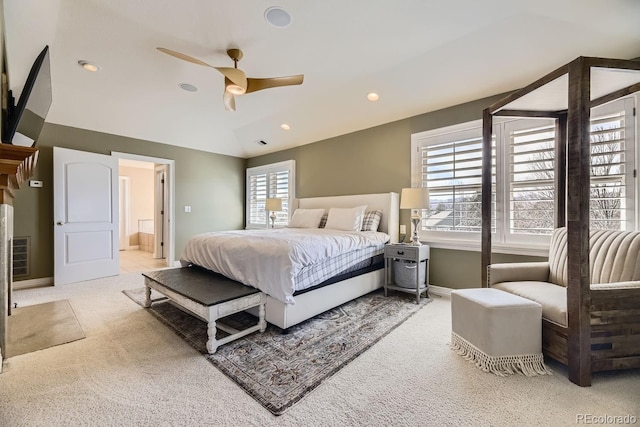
451	167
612	186
529	167
276	180
448	162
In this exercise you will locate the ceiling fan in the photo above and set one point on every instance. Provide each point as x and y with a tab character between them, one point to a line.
236	81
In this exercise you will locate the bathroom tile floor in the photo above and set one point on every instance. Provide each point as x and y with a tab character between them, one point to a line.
134	261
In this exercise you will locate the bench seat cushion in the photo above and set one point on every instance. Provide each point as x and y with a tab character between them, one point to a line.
551	297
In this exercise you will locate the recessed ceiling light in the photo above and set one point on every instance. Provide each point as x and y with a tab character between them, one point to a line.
188	87
285	126
372	96
89	66
277	16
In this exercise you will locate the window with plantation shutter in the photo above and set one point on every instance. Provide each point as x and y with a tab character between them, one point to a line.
269	181
448	162
530	169
450	166
610	180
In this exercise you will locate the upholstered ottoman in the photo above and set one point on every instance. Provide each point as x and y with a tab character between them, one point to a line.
498	331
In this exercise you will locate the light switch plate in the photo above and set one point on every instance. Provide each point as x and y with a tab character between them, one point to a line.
33	183
403	229
187	208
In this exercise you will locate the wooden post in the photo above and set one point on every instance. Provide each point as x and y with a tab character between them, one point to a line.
560	171
487	134
579	157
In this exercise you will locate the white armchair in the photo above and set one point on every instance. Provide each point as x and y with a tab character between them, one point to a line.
614	259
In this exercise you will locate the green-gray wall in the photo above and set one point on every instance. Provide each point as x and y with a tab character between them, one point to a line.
212	184
378	160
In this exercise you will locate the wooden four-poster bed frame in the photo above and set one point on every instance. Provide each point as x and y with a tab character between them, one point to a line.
567	95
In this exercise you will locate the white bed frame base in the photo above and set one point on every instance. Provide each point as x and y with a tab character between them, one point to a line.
327	297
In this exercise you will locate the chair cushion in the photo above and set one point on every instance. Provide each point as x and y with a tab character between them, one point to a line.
552	297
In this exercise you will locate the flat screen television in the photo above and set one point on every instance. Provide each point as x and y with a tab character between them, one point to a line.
23	122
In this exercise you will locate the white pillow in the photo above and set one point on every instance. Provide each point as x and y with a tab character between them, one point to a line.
306	218
347	219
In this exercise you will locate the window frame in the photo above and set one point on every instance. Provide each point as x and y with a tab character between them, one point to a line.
273	168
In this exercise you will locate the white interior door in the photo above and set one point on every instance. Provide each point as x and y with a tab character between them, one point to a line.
85	206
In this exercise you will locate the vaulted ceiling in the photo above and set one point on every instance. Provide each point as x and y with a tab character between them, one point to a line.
418	55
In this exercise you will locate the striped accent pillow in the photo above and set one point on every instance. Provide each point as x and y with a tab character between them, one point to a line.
323	220
371	220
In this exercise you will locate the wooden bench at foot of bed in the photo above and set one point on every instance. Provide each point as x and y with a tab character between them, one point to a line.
208	296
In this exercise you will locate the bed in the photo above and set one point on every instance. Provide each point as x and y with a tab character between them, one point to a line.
287	307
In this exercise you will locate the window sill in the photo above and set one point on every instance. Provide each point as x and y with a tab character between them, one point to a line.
514	249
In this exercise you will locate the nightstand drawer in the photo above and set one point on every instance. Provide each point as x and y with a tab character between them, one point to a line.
401	252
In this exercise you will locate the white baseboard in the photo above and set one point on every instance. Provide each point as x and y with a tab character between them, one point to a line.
440	291
33	283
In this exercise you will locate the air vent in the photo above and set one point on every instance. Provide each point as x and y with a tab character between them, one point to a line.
21	250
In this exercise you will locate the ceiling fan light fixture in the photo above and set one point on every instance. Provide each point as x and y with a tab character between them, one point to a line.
235	89
277	16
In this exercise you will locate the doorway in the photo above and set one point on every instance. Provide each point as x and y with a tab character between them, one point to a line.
145	202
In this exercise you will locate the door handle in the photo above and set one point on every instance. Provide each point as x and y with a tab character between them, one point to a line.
59	223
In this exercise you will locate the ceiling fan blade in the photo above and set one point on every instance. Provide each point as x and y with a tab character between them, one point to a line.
236	75
229	101
259	84
183	56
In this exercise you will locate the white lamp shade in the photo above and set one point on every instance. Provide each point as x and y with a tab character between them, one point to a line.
273	205
414	198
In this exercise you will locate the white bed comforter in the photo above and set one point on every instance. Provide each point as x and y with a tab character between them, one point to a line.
270	259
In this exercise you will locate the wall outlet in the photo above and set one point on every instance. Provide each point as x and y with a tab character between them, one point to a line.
187	208
403	229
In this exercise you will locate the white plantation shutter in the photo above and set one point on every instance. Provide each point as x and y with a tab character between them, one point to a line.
257	195
608	189
530	206
448	162
451	168
279	188
531	172
270	181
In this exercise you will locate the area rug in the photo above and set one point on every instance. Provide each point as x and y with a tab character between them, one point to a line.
278	369
40	326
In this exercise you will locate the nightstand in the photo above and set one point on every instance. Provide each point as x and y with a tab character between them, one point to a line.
402	252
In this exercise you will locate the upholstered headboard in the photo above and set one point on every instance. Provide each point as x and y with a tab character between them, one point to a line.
388	203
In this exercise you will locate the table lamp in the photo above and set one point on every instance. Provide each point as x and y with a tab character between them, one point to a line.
273	205
415	199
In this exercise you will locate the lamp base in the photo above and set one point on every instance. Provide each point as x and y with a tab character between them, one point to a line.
273	219
415	240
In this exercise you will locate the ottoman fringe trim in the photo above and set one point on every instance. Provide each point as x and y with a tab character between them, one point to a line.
527	364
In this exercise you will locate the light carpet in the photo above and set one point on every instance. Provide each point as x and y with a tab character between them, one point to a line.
279	369
131	370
